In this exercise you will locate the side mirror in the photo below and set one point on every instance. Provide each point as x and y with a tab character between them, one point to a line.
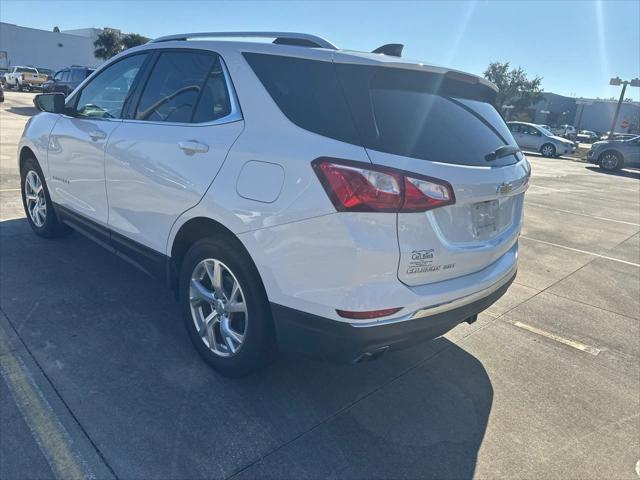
49	102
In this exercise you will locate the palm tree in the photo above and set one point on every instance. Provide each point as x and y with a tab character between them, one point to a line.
131	40
107	44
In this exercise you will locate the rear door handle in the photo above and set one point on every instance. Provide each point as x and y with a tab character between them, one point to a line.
97	135
192	147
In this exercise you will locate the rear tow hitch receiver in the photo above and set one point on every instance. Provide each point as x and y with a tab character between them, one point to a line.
370	356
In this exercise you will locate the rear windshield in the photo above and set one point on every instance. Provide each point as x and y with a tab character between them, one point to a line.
424	115
415	114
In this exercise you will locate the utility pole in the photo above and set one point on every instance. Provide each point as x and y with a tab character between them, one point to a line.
617	82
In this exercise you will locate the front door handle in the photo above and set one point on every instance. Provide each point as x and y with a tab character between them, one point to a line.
191	147
97	135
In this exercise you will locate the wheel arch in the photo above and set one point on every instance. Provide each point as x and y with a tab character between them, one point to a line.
26	152
188	234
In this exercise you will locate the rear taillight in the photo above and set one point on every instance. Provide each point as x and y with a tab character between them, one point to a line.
361	187
368	314
22	76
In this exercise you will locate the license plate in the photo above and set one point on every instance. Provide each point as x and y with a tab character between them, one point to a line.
485	215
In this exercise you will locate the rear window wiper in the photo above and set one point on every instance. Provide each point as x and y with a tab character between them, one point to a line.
501	152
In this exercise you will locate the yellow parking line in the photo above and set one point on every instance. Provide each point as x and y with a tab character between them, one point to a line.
558	338
45	427
9	189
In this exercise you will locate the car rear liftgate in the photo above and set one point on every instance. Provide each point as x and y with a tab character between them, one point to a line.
443	127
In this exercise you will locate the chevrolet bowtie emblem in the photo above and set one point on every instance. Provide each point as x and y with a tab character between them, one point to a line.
504	188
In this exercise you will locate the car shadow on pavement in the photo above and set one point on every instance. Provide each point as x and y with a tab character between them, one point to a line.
620	173
25	111
113	344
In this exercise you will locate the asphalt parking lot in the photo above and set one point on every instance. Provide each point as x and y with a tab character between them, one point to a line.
100	380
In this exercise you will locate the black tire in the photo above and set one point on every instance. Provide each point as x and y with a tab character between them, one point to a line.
52	227
548	150
258	344
611	161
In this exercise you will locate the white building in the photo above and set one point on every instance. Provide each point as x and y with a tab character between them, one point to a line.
41	48
91	33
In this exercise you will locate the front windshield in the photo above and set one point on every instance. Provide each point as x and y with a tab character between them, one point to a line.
545	131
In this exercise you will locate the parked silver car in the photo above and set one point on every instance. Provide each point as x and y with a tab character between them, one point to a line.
535	138
613	155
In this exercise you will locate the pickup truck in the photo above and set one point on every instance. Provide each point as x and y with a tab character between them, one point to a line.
566	131
24	78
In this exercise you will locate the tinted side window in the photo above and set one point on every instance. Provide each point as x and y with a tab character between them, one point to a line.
307	92
215	101
174	86
105	95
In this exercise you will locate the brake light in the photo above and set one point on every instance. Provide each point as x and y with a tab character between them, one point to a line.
22	76
362	187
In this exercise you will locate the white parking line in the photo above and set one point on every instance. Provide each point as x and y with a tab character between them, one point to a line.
571	343
9	190
581	251
564	190
581	214
12	218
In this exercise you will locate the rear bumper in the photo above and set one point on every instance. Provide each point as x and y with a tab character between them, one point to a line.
313	335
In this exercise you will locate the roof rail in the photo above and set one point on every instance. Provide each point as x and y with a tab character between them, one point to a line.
290	38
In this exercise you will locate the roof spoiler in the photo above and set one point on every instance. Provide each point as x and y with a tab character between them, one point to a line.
391	49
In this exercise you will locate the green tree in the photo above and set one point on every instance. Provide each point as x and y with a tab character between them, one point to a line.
515	88
131	40
107	44
56	29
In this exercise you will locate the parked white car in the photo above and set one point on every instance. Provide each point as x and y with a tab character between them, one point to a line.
325	201
534	138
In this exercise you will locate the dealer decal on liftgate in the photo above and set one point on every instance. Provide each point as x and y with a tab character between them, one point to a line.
422	261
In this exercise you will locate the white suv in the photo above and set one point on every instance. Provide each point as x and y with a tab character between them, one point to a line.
325	201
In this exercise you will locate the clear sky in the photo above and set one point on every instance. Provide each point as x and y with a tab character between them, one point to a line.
576	46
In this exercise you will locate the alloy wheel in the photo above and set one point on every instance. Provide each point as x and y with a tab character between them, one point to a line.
35	199
547	150
609	161
218	307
